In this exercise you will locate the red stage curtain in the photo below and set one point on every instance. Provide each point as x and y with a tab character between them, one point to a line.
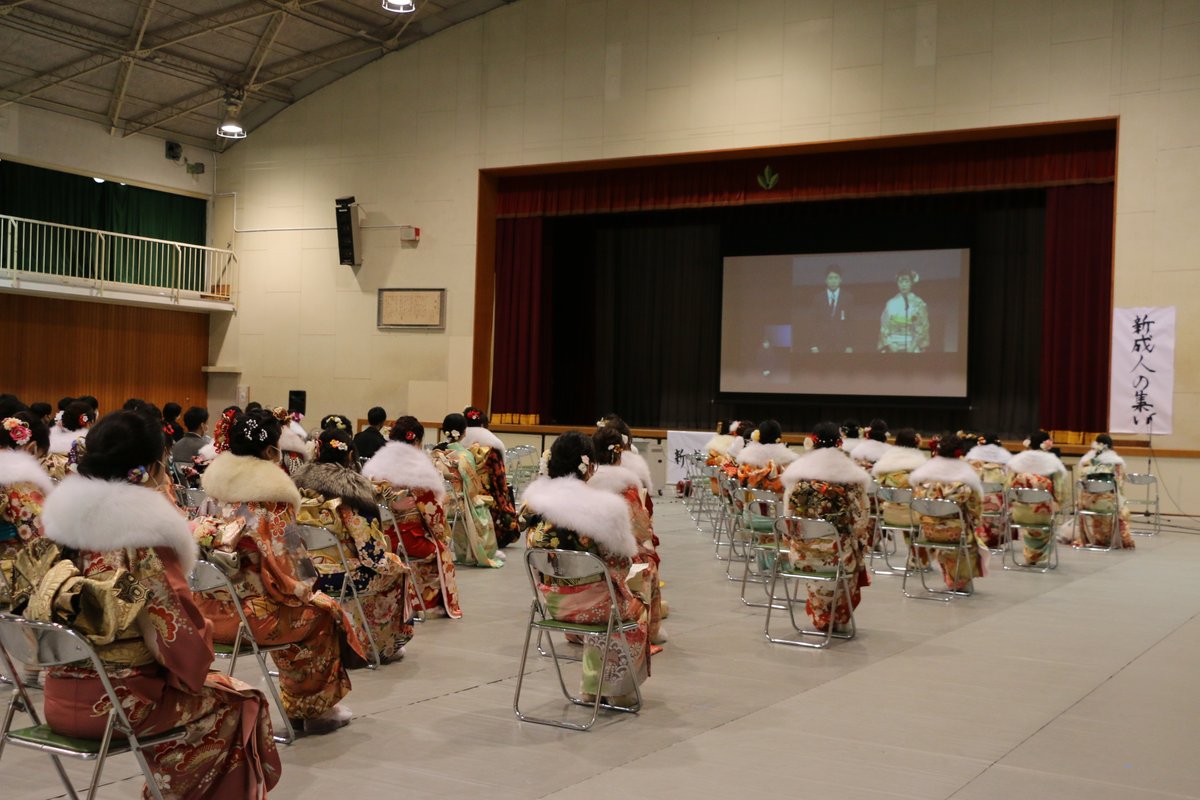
520	362
1029	162
1077	308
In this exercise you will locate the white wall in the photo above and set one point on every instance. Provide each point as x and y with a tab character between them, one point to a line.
46	139
559	80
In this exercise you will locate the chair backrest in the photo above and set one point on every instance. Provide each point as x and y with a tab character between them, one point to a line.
196	497
935	507
1093	486
805	529
990	487
1141	479
43	644
895	494
207	577
873	488
565	564
315	537
763	502
1032	496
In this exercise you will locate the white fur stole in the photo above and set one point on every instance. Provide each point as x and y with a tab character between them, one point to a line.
574	505
1036	462
17	466
899	459
756	454
828	464
940	469
246	479
405	467
484	437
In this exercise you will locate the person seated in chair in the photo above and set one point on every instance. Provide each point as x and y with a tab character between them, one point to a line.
1101	463
1036	467
762	461
947	477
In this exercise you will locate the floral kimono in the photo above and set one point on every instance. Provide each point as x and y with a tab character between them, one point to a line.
474	536
760	465
826	484
493	478
988	461
623	482
567	514
1097	531
133	603
892	471
23	490
954	480
56	465
257	503
295	452
1036	469
904	325
340	499
407	482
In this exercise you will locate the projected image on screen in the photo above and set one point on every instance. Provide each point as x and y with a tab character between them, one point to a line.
882	323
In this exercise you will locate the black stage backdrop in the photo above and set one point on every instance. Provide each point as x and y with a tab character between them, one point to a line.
635	326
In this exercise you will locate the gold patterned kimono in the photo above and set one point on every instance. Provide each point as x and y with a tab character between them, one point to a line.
891	471
954	480
1098	531
474	535
133	603
1035	469
23	490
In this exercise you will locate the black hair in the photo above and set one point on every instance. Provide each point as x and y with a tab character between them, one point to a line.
745	430
335	446
877	430
119	443
194	417
253	405
566	455
77	415
990	438
608	444
132	404
33	423
152	410
950	446
618	423
907	437
376	416
10	404
769	432
338	421
171	412
723	425
40	409
851	429
64	402
408	430
91	401
475	416
234	409
826	434
1105	439
1036	438
456	423
253	432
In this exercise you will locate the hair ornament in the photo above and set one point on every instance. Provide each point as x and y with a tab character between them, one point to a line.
83	419
754	437
338	444
624	439
1047	445
584	463
296	416
474	414
410	436
615	448
810	443
1027	444
601	423
544	463
453	436
733	426
138	476
280	413
920	441
1098	446
18	430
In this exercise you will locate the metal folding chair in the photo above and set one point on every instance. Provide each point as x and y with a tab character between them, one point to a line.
209	579
191	500
1150	482
544	567
1000	518
760	509
888	534
386	518
1107	493
317	538
1031	497
46	644
807	530
939	509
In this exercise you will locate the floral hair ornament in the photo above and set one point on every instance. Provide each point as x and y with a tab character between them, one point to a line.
733	426
296	416
754	437
138	476
83	419
280	413
601	423
810	443
1027	444
615	448
453	436
18	431
254	432
584	464
544	463
338	444
1047	445
473	414
410	436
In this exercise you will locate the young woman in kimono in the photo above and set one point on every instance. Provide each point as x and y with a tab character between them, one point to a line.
24	486
474	536
492	475
77	418
870	449
825	483
612	476
763	460
904	323
631	459
947	477
1036	467
335	496
851	435
295	451
724	445
892	471
1102	463
988	458
561	511
257	503
127	552
412	488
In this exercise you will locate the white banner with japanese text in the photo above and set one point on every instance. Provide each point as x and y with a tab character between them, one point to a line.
679	443
1143	370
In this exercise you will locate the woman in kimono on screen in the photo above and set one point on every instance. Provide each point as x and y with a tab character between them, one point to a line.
904	323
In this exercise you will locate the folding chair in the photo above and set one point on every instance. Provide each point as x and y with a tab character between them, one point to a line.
386	518
316	538
760	509
544	567
943	510
1106	494
46	644
192	500
1150	483
208	579
887	532
1032	497
727	521
1000	517
454	504
790	528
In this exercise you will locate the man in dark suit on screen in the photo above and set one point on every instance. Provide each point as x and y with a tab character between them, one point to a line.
830	317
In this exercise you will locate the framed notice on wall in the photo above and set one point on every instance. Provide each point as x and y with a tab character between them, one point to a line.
412	309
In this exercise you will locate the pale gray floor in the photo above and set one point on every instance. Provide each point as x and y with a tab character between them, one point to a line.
1074	684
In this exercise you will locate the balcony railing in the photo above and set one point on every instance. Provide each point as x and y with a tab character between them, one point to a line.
37	252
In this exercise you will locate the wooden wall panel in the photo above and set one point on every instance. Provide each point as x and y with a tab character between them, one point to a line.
54	348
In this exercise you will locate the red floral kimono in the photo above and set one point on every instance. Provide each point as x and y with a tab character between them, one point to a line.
258	502
134	605
24	486
954	480
407	482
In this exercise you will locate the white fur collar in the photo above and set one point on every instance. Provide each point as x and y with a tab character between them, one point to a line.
614	478
246	479
17	466
484	437
1038	462
869	450
736	445
99	516
989	454
1090	457
405	466
828	464
207	453
61	439
946	470
635	462
899	459
292	442
849	444
757	454
719	443
574	505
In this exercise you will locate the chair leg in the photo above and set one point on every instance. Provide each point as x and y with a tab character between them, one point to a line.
151	781
289	735
105	741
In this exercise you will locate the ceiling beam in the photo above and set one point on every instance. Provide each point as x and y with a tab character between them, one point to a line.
136	33
185	105
262	49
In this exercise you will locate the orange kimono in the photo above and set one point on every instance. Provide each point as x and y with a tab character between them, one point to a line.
760	465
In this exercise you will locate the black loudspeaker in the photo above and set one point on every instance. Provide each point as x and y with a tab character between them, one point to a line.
298	400
349	236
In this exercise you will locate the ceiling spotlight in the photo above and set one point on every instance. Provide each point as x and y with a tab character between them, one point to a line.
230	127
400	6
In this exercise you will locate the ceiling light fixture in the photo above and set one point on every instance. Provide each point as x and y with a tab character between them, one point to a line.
400	6
230	127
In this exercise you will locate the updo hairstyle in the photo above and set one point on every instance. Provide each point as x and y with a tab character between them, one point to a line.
568	454
253	433
121	443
